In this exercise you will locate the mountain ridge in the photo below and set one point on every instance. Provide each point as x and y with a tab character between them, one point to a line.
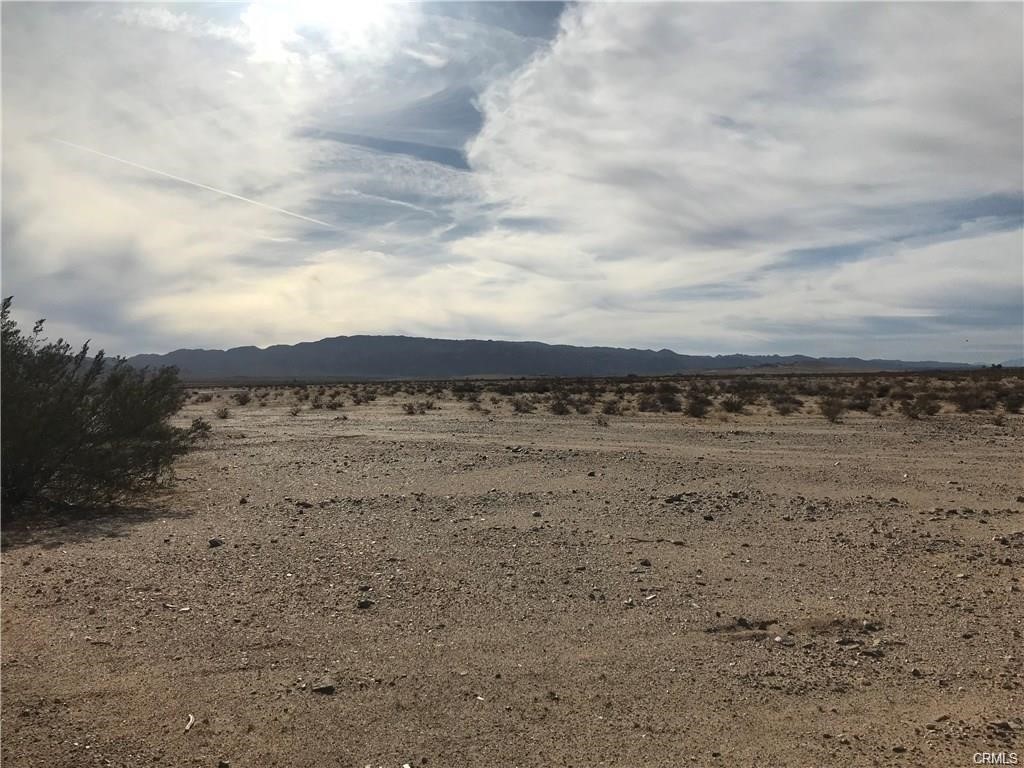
412	357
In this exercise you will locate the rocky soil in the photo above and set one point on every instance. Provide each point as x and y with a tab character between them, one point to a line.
463	589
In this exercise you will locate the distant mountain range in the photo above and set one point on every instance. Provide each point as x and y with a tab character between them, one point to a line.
398	357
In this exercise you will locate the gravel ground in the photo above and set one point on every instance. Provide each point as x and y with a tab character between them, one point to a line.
458	589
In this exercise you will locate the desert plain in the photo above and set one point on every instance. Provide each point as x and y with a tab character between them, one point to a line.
403	581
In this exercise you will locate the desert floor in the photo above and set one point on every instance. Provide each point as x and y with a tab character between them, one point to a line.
537	590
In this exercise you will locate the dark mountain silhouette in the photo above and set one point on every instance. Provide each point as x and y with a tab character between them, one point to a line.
380	357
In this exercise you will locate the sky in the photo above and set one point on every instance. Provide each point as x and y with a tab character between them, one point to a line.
792	178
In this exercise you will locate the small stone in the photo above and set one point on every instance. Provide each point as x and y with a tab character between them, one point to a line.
223	764
243	500
216	542
325	687
591	473
364	604
536	514
899	750
645	562
709	518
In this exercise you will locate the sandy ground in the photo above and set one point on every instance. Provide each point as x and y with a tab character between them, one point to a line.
536	591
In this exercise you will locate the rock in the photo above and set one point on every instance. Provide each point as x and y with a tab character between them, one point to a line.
325	687
899	750
243	500
216	542
364	587
536	514
645	562
709	518
223	764
364	604
591	473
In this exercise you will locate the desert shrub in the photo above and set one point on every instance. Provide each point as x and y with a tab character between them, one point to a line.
559	407
648	404
785	404
697	405
583	406
242	398
925	404
81	430
732	404
522	405
316	402
999	420
200	428
333	405
832	408
602	421
669	400
1013	401
611	407
204	397
970	399
222	412
859	401
294	410
409	409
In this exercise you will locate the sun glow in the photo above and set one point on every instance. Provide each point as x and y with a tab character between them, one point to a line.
350	29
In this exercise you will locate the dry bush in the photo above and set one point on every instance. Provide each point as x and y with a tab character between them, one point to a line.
785	404
242	398
832	408
925	404
612	407
732	404
222	412
522	405
698	404
560	407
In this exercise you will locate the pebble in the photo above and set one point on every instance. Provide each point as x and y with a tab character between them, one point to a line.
364	604
325	687
216	542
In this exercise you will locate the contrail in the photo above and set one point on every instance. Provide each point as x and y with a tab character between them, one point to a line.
197	184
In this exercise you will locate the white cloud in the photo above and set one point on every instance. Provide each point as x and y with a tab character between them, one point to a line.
677	146
643	181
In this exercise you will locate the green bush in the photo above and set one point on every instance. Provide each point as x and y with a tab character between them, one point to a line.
80	430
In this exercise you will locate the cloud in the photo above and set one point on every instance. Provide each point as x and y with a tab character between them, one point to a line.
698	146
825	179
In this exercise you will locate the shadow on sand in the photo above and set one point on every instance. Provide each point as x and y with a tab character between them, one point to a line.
56	527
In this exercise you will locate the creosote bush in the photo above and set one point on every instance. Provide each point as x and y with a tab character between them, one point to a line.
832	408
82	430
